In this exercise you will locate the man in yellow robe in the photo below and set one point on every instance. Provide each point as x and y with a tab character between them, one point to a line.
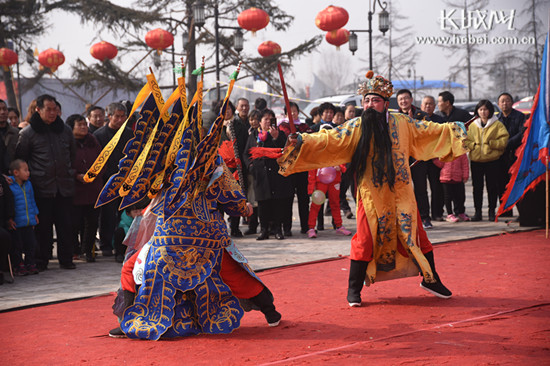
378	145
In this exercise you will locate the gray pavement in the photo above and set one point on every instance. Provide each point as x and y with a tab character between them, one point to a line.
102	276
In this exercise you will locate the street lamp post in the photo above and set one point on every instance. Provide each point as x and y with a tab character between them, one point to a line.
383	25
198	10
414	80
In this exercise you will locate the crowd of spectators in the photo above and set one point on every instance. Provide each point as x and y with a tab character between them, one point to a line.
43	160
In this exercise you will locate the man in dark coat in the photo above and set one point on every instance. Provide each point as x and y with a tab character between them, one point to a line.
48	146
109	215
514	122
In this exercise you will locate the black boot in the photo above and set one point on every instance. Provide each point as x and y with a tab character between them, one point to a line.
357	274
264	300
264	234
437	288
477	216
128	301
492	215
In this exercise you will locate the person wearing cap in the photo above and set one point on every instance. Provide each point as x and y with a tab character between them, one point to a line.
378	145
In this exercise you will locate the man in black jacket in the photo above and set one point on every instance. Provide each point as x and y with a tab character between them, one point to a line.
48	146
109	216
448	111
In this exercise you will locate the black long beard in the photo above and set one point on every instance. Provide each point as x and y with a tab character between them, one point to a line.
374	130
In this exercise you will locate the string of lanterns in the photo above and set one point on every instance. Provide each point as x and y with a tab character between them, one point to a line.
252	19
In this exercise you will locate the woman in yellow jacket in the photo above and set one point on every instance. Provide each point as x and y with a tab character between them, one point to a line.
487	139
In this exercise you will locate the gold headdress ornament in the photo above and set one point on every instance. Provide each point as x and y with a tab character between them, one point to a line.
376	85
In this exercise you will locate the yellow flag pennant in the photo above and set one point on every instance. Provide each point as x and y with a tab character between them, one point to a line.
102	158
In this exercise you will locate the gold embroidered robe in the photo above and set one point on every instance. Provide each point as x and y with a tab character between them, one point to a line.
390	214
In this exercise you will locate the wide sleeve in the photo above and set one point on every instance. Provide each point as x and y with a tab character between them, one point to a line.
321	149
430	140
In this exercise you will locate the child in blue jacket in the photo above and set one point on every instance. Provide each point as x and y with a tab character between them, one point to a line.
26	217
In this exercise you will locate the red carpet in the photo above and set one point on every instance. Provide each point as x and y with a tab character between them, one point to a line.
499	314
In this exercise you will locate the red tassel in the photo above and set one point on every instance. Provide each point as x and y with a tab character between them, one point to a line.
227	153
266	152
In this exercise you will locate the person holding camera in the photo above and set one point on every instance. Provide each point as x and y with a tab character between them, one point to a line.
273	191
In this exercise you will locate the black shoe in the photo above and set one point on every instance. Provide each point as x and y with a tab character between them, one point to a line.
67	266
279	236
250	231
263	235
119	258
304	231
236	233
437	289
476	217
42	267
107	253
492	216
7	278
90	258
288	233
349	214
117	333
427	224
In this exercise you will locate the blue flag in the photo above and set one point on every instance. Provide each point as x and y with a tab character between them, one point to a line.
530	167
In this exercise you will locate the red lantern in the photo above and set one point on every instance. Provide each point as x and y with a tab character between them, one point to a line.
269	48
159	39
338	38
103	51
331	19
51	59
253	19
7	58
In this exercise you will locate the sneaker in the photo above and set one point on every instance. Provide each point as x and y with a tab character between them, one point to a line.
451	218
437	289
20	270
427	224
311	233
343	231
31	269
463	217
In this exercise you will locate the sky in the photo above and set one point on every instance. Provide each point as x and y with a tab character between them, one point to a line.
424	18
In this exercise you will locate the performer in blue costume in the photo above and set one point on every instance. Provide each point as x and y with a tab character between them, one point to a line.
189	276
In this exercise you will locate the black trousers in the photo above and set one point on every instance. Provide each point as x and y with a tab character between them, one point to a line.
5	248
299	186
54	211
272	210
422	172
490	171
85	223
455	196
109	217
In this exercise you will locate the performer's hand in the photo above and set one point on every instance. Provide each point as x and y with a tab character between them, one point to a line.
292	139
